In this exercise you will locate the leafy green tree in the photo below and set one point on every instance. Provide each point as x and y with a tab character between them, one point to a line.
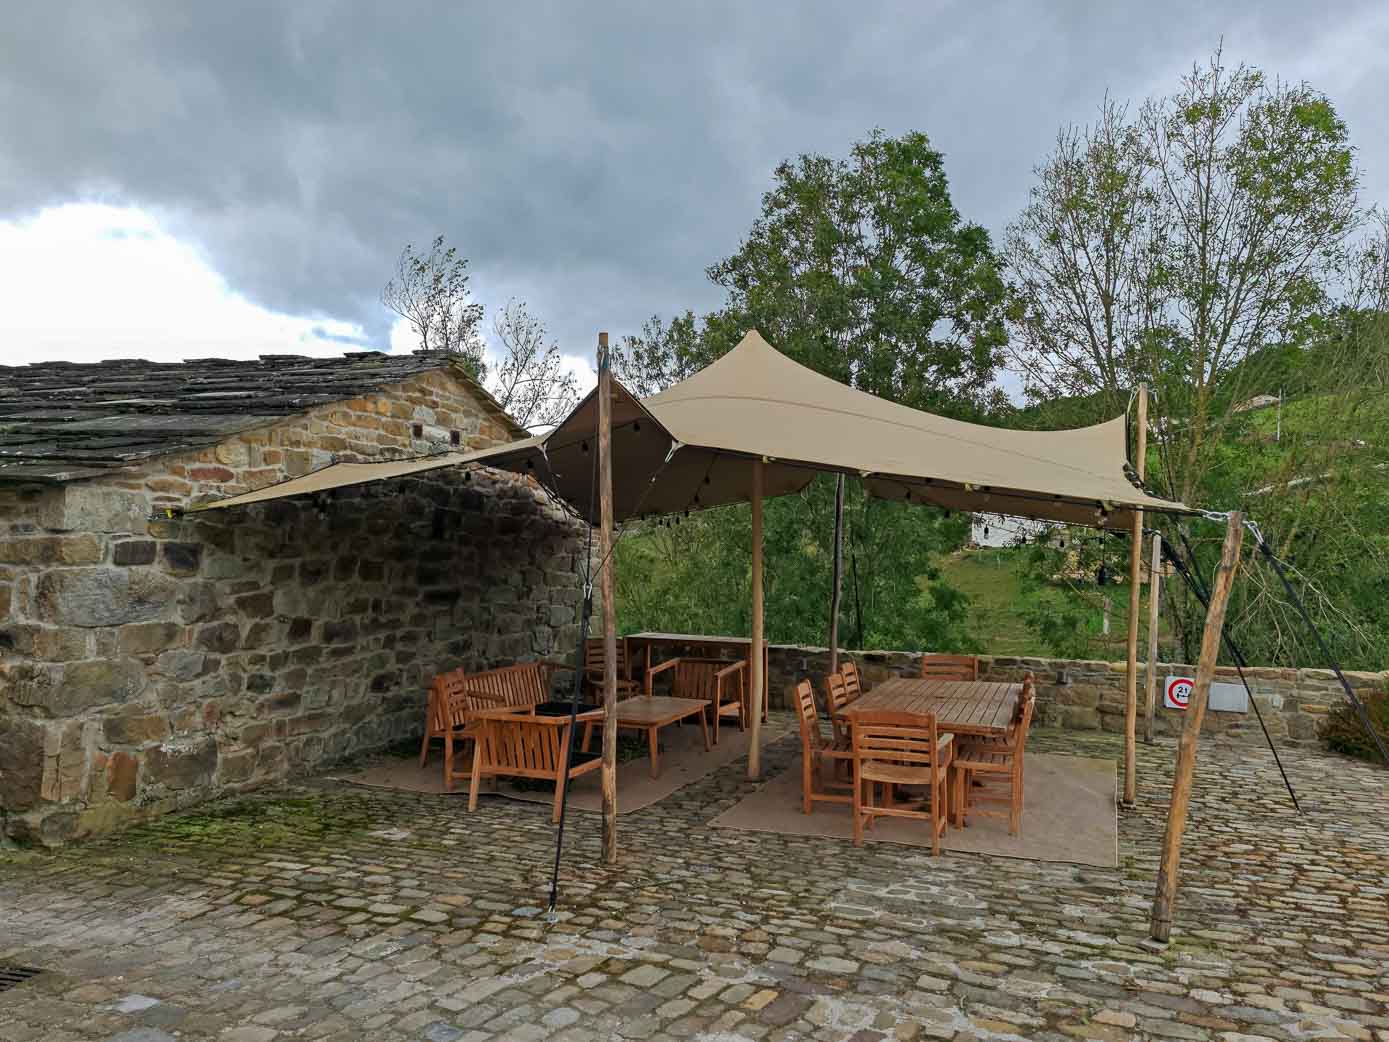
1179	248
862	269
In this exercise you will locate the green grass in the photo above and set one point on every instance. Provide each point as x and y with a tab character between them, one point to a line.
993	581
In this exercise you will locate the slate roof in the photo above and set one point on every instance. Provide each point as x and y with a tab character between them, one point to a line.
65	420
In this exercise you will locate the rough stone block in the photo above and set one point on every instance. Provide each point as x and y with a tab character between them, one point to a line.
102	596
130	552
122	770
21	762
96	507
182	559
182	765
149	638
135	728
181	664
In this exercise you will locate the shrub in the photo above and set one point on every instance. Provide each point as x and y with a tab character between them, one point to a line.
1344	732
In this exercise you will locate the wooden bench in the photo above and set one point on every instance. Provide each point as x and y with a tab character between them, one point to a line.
513	744
521	686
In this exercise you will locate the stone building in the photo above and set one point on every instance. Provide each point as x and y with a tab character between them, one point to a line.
149	661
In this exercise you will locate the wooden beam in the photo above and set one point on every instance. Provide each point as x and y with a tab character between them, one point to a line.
1161	926
606	585
1135	590
759	680
837	583
1154	610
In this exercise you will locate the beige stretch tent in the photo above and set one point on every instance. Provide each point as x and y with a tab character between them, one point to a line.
690	446
756	424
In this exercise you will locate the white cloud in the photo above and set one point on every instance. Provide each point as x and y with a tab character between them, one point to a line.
87	281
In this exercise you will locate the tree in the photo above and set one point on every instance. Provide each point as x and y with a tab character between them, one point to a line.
1179	248
863	269
531	382
430	291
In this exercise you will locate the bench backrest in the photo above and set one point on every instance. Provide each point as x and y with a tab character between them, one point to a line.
524	684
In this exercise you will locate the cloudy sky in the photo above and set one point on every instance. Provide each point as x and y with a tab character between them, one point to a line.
187	180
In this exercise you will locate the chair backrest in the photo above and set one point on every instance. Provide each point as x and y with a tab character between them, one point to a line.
903	738
950	667
809	718
837	693
697	678
525	745
449	702
594	659
848	669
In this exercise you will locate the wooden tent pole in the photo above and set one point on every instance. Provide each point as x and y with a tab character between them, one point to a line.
1154	609
756	658
605	544
837	583
1135	568
1161	926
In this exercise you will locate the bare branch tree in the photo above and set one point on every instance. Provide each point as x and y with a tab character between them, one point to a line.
531	383
430	291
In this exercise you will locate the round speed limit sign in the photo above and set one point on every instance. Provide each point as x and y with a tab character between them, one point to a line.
1178	692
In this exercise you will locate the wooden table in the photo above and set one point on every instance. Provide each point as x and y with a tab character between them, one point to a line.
651	713
961	706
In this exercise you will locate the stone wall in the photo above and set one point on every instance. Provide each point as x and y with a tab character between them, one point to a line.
148	664
1091	695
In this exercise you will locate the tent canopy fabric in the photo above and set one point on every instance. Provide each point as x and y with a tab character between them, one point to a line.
690	447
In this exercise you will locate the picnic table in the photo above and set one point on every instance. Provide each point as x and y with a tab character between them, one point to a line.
960	706
651	713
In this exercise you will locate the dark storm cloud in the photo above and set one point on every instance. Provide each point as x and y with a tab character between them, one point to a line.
591	158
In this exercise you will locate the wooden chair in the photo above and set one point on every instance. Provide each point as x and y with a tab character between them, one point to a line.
594	661
892	749
853	680
522	745
814	749
837	696
950	667
437	719
459	722
722	683
978	742
992	772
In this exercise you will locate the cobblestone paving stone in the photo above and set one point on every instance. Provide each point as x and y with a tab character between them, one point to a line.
327	912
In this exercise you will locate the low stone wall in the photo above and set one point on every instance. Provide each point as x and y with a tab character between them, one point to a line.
1091	695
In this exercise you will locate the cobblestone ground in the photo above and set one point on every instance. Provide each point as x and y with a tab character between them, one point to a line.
325	911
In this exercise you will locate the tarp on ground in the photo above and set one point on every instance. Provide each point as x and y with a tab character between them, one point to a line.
690	447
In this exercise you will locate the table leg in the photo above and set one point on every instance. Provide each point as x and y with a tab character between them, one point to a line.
653	738
704	726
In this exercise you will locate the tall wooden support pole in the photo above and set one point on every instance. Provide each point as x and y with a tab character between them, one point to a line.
1135	590
1161	927
759	679
605	545
838	582
1154	609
